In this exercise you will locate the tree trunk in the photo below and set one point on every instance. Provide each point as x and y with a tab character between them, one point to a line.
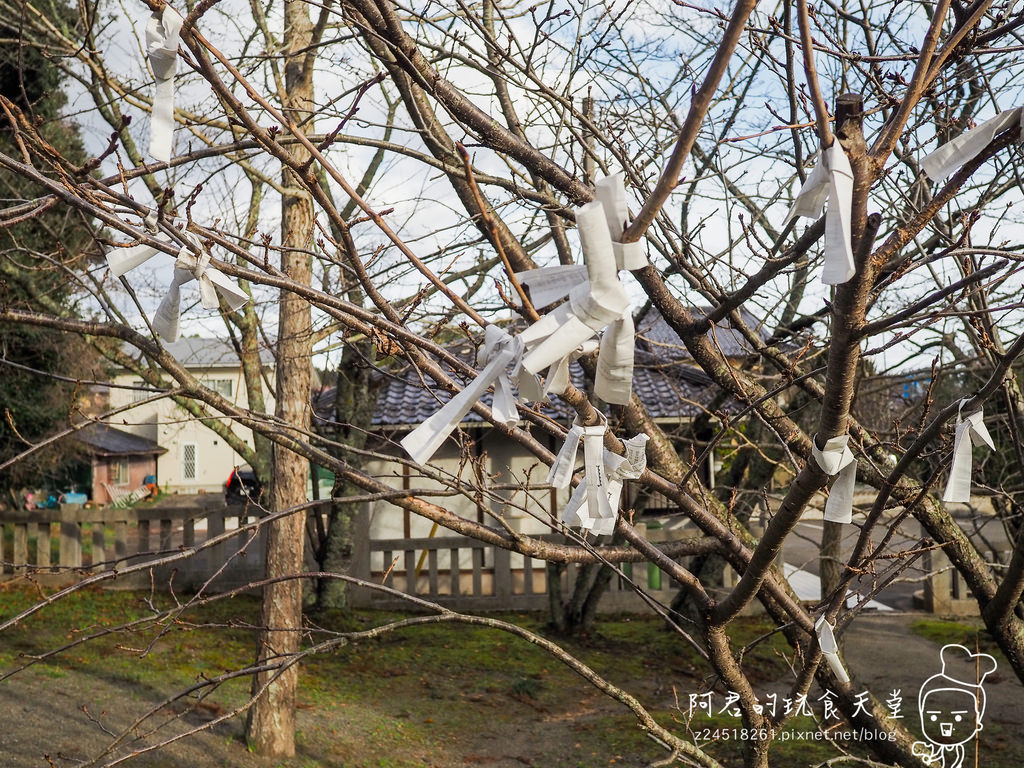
271	726
575	616
354	405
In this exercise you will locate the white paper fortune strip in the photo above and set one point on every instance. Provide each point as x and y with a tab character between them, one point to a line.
124	260
837	459
831	180
187	267
561	471
616	470
599	303
968	145
830	648
970	432
162	34
500	351
550	284
212	281
611	193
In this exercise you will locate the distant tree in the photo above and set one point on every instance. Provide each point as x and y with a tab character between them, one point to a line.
41	256
496	119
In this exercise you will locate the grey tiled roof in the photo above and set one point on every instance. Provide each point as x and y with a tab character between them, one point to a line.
199	353
676	392
106	440
669	387
655	335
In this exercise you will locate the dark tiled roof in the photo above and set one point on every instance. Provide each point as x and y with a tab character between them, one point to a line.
667	385
672	391
106	440
655	335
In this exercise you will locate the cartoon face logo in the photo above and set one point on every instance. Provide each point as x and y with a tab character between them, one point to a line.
950	716
952	704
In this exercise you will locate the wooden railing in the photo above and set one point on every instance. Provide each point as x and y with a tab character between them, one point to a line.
69	543
466	574
58	546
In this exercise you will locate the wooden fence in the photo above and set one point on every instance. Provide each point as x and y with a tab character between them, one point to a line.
64	545
468	575
59	546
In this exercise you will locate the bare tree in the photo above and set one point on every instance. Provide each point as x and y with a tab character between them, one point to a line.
476	132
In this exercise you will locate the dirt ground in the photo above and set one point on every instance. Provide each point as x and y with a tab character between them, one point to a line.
57	716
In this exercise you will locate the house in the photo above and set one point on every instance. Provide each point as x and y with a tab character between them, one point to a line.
672	388
192	458
120	460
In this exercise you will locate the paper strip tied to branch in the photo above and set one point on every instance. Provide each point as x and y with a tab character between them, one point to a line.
970	432
830	648
162	35
212	281
836	458
594	507
550	284
969	144
598	303
831	180
187	267
611	193
500	351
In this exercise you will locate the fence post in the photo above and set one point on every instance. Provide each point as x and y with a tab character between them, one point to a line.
215	527
20	547
502	574
120	543
43	546
361	542
70	536
99	543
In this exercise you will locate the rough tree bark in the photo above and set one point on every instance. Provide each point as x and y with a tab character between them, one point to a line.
271	725
355	401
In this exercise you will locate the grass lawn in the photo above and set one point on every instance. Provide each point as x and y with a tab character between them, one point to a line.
437	695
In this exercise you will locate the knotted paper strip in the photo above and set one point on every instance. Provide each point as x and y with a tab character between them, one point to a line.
617	469
837	459
503	405
611	193
550	284
599	509
561	471
613	381
212	281
968	145
557	377
830	648
162	34
500	350
628	467
187	267
831	180
601	302
124	260
970	432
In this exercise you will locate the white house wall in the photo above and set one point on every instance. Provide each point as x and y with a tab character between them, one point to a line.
174	429
526	508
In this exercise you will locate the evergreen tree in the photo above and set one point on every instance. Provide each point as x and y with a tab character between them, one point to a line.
38	257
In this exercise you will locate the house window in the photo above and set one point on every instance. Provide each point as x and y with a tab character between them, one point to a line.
188	461
138	395
119	471
221	386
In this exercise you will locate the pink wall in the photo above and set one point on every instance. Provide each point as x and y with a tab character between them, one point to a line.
138	468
